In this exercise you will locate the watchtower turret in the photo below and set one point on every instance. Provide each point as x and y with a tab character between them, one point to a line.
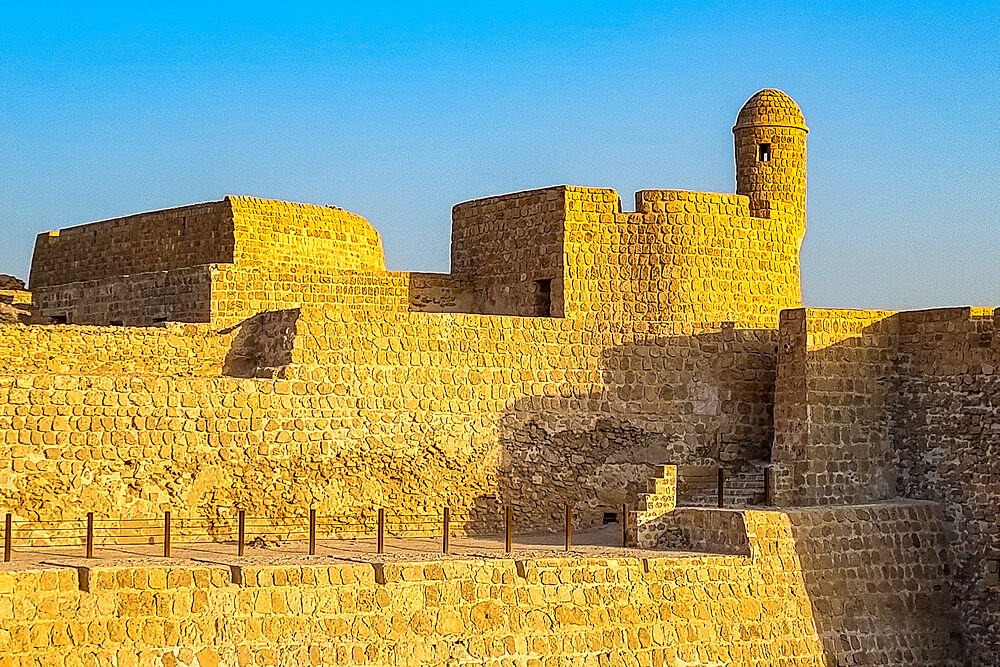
770	140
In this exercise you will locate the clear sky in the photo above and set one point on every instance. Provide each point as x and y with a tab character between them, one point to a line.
397	112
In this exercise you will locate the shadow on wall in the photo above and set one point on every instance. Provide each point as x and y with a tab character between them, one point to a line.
263	346
880	584
702	399
901	405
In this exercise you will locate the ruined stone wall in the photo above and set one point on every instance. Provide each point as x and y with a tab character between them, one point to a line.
861	586
406	410
140	299
684	257
173	238
946	427
505	245
15	306
835	375
440	293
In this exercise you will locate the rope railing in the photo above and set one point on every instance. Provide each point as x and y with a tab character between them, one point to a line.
92	530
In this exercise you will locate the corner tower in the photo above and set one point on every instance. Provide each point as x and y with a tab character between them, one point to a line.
770	139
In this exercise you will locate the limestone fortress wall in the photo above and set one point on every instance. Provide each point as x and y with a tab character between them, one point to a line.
256	355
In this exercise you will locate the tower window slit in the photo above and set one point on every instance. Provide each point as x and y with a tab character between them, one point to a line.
763	152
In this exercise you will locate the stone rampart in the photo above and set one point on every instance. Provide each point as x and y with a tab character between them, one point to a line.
173	349
876	404
406	410
831	436
175	238
857	586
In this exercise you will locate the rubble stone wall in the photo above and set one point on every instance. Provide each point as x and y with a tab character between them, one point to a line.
822	587
175	238
405	410
140	299
684	257
835	372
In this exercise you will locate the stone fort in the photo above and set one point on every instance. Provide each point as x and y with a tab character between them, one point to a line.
256	354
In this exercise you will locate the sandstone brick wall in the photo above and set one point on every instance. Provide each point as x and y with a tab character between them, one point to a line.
835	374
689	258
407	410
140	299
170	350
281	235
506	244
173	265
878	596
173	238
239	293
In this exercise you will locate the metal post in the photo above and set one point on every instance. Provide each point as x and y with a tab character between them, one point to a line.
722	486
381	530
569	527
508	521
90	534
624	525
312	532
242	538
767	486
8	538
446	542
166	534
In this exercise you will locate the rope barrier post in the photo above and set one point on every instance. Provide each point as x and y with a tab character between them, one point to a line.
508	522
767	486
166	534
722	486
8	538
446	542
90	534
312	532
624	525
242	538
381	530
569	527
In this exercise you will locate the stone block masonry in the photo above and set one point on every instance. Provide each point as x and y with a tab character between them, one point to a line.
880	597
872	405
251	354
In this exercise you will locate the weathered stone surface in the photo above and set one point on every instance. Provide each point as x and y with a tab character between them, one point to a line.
819	588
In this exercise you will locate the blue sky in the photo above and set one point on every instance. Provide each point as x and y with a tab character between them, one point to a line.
397	112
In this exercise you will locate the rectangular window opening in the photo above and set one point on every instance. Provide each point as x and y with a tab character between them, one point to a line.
610	517
543	298
763	152
59	319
